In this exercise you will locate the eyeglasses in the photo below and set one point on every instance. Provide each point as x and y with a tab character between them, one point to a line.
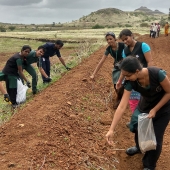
110	33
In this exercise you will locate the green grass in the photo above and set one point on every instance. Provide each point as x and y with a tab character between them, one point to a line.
10	45
57	69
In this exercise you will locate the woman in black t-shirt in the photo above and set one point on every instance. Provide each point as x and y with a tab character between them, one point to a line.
115	49
154	87
12	71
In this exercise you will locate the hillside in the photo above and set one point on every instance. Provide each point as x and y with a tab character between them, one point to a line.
105	18
149	11
112	17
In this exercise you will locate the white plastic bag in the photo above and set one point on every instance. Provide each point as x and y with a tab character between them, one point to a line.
146	134
21	92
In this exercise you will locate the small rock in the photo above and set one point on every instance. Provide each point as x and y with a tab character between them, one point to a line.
69	103
11	165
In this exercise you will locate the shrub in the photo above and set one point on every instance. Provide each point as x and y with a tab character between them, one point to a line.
144	25
128	25
11	28
97	26
2	29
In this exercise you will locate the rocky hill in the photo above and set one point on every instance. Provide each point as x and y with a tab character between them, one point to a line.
112	17
148	11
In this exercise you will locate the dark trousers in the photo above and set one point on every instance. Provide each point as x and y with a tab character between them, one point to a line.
11	91
150	158
46	67
30	69
151	33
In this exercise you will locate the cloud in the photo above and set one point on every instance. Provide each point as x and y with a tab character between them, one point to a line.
48	11
19	2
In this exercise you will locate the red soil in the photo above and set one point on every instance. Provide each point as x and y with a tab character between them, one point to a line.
64	126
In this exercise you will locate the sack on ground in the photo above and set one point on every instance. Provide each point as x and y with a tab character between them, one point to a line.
21	92
146	134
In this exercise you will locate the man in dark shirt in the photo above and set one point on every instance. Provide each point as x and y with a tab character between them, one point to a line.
51	50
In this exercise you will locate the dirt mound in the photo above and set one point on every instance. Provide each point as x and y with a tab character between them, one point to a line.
64	126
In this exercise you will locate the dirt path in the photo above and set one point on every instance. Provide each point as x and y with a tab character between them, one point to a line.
64	126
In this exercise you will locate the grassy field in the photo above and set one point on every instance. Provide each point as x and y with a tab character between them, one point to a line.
73	54
72	34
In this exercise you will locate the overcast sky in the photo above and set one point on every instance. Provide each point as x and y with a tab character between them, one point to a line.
49	11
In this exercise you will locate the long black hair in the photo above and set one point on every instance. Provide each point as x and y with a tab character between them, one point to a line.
125	32
131	64
111	34
26	47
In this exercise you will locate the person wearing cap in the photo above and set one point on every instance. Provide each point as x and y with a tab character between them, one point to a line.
115	49
51	50
34	57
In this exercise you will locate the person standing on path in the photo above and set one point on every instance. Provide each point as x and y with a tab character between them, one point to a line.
154	87
166	29
140	50
151	30
159	29
13	70
51	50
33	57
115	49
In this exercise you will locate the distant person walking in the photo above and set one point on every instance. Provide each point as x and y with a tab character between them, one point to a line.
155	30
166	29
51	50
115	49
151	30
159	29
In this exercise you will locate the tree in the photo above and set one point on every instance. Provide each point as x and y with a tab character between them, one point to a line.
11	28
53	24
2	29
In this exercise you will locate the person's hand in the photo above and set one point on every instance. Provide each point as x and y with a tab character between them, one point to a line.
152	113
28	84
48	79
68	68
92	77
109	137
6	98
118	85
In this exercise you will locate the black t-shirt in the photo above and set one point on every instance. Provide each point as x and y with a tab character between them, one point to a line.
11	67
117	55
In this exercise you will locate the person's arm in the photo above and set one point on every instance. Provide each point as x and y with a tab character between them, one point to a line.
121	77
148	57
42	72
62	61
20	71
4	92
2	89
98	66
118	114
166	86
147	53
